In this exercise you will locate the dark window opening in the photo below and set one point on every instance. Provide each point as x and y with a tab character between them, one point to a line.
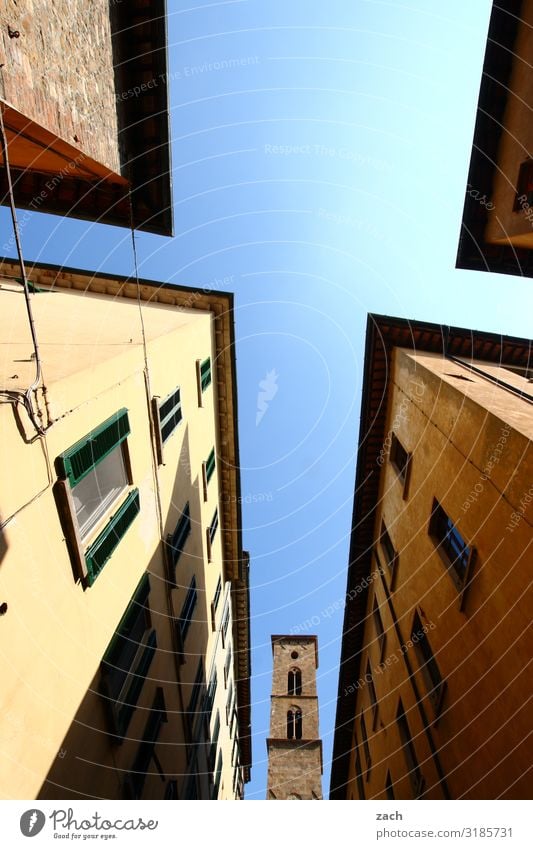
411	760
400	459
366	747
373	696
391	556
294	687
450	545
428	664
359	775
294	724
380	631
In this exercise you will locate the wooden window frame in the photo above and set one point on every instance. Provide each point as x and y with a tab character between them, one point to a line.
89	555
161	422
437	519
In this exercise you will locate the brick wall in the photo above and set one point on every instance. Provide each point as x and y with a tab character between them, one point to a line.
59	71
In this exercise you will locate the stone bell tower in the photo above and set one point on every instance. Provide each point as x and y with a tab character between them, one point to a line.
294	747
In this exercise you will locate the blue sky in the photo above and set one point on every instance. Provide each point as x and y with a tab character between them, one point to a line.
320	157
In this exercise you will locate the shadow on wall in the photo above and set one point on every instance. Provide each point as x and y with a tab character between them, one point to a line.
139	696
3	543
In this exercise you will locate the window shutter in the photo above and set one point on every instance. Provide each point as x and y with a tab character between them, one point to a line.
205	373
138	600
105	543
85	454
210	465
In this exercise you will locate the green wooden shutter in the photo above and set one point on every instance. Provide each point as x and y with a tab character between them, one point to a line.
85	454
133	610
205	373
210	465
105	543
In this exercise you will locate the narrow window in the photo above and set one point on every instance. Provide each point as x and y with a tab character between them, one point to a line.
452	548
380	631
227	666
177	539
210	465
290	725
401	462
145	751
366	747
294	724
225	625
294	682
187	610
428	664
359	775
208	469
167	416
413	769
390	554
229	701
203	377
211	533
214	603
218	774
214	742
210	694
197	688
298	726
373	696
127	659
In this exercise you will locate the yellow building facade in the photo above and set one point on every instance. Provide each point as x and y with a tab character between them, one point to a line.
434	685
123	583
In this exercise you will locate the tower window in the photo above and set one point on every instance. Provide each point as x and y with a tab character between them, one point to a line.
294	724
295	682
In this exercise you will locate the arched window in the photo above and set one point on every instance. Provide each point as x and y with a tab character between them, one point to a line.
294	724
295	682
298	724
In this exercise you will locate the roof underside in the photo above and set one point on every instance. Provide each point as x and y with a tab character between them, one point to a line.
474	252
51	175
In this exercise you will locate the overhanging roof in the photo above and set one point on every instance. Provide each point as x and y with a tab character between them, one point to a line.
474	252
384	333
52	175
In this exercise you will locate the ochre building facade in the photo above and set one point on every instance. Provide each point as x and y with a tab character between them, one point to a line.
433	689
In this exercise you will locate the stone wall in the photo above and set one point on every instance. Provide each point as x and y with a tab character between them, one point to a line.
294	771
59	71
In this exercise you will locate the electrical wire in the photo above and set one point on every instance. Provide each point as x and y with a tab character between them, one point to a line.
26	396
